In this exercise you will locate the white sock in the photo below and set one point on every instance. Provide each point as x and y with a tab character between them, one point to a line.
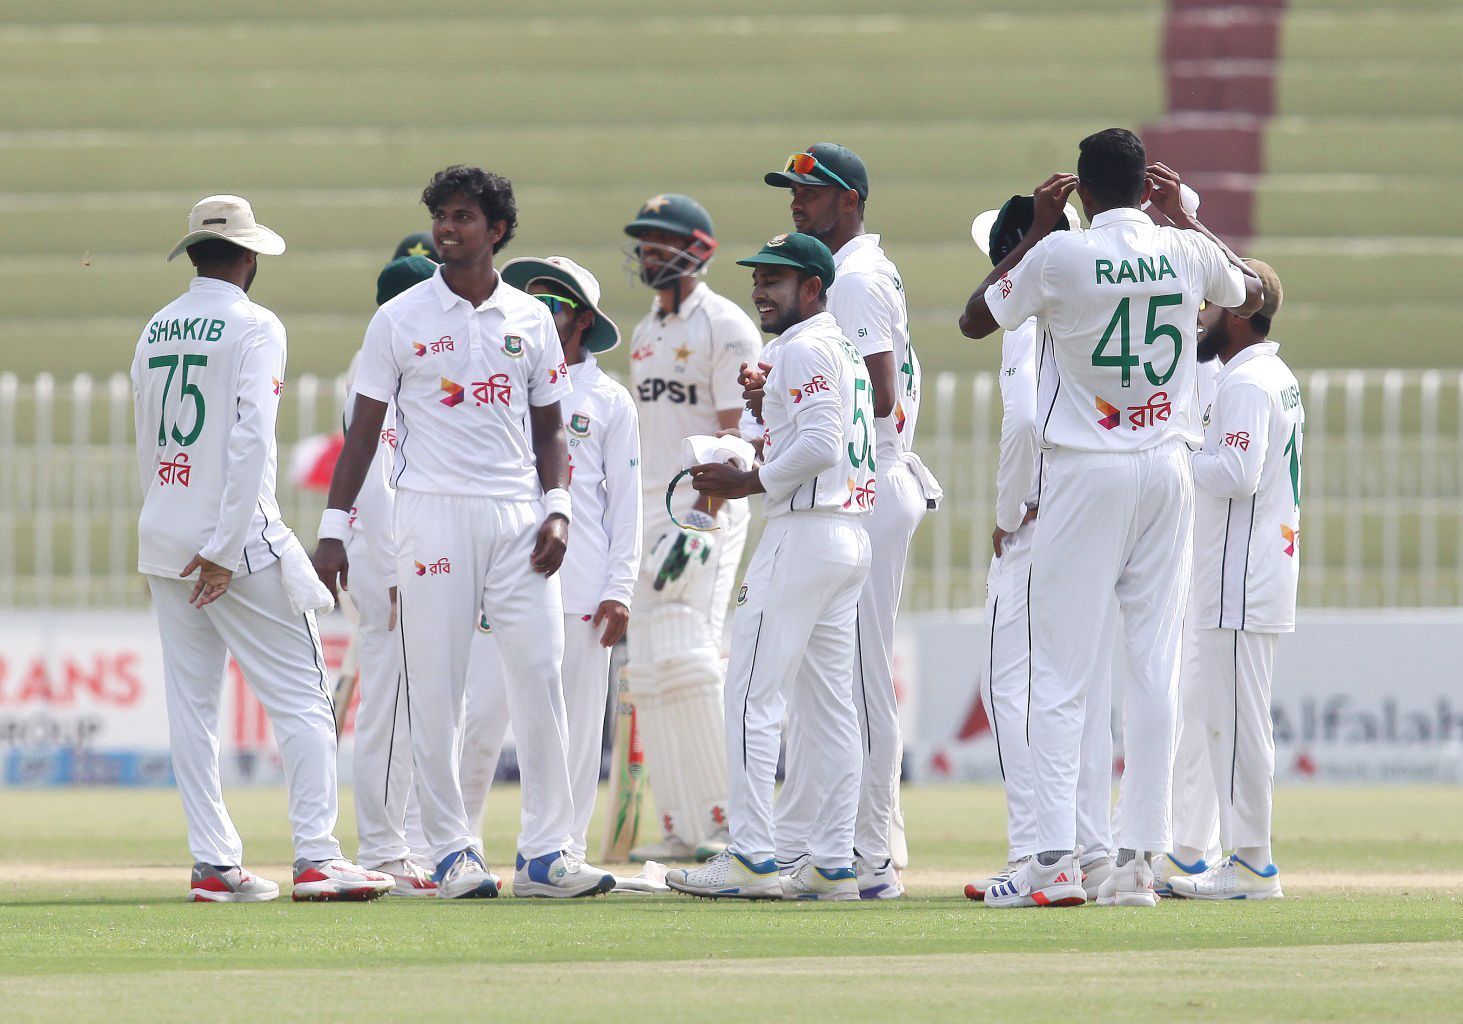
1187	854
1257	857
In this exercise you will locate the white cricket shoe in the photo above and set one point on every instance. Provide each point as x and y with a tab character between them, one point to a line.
1094	873
229	885
337	879
728	874
814	883
788	868
1167	867
977	889
559	875
464	875
1129	885
878	881
672	847
1231	879
1035	884
410	878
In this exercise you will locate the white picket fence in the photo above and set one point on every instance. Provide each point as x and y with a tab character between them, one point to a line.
1382	483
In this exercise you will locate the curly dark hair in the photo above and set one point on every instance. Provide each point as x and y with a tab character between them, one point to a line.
493	193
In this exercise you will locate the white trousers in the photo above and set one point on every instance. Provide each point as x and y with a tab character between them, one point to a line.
459	558
388	816
793	643
279	653
586	675
1006	690
1195	798
1121	524
898	509
1233	673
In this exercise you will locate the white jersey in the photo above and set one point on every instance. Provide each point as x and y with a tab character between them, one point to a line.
604	486
1118	306
206	381
867	300
1247	497
683	371
1018	471
371	515
463	380
818	411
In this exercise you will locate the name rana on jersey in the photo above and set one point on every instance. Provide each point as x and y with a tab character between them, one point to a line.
194	329
1146	271
652	389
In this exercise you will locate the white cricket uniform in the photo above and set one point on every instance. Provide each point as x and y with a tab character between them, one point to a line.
1117	407
1006	675
388	817
1246	571
867	300
794	630
601	565
206	380
468	509
684	367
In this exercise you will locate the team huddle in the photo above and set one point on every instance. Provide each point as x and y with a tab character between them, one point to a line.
503	513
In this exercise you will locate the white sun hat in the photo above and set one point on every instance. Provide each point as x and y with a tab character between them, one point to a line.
232	219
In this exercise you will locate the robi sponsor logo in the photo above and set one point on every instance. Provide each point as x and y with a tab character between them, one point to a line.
441	567
818	383
1290	537
496	390
454	393
1109	416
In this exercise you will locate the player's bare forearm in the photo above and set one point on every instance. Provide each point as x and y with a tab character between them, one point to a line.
881	374
549	446
1254	290
357	452
1051	195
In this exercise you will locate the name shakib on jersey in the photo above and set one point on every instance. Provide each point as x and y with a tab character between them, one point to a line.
1147	271
194	329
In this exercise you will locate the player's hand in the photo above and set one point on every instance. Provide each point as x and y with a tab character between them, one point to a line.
614	617
753	382
1051	202
213	581
549	548
391	616
723	480
1167	197
998	541
331	565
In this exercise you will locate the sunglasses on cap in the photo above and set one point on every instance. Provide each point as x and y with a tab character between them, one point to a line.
557	303
807	163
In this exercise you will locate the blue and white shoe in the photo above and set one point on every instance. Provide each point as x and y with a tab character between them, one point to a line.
731	875
815	883
1231	879
878	881
559	875
464	876
1168	867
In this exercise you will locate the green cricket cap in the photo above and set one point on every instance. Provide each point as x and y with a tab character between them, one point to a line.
840	160
669	211
419	243
399	275
803	252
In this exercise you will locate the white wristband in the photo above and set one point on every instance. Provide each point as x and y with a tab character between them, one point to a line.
556	502
335	524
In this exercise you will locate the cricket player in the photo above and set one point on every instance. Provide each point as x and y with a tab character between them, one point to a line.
598	575
1117	305
1246	570
793	639
1006	674
830	187
385	804
226	574
481	520
685	357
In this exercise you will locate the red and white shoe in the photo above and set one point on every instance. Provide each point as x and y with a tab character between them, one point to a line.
410	878
338	879
1040	885
230	885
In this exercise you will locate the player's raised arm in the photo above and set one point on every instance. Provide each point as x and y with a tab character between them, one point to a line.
979	320
1167	197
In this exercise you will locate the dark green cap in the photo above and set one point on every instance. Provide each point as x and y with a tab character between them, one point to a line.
399	275
418	244
840	160
678	214
798	250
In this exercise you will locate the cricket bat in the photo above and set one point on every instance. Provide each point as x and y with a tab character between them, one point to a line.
627	776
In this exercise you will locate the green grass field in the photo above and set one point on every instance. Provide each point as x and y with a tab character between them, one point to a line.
93	928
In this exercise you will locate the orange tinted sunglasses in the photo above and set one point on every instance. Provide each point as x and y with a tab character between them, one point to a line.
807	163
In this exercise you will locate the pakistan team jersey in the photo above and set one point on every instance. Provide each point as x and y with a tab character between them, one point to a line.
683	371
1118	308
818	411
1247	497
463	380
206	381
867	300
